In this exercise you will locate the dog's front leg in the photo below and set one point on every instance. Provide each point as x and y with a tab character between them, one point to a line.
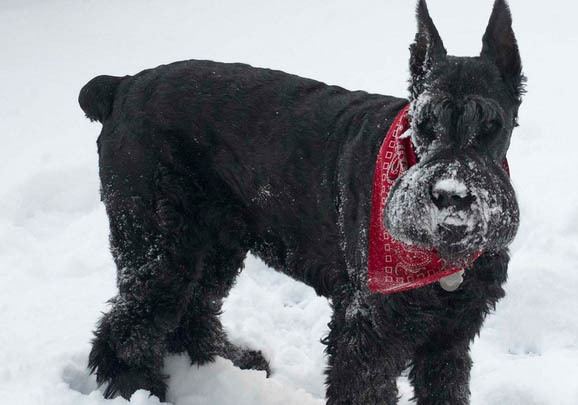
441	367
440	375
362	366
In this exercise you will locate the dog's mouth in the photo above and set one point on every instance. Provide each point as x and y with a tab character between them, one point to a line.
457	207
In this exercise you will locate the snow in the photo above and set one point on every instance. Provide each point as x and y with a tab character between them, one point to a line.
450	186
56	273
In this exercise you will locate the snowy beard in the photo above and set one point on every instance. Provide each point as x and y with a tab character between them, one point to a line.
486	219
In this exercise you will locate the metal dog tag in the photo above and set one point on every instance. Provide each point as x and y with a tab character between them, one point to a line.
453	281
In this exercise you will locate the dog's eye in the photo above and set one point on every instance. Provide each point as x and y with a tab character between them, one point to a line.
491	127
426	130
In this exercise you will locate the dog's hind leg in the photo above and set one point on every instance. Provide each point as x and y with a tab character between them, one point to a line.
200	333
202	337
163	228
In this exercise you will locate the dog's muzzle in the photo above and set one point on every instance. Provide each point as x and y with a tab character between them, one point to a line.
458	207
433	219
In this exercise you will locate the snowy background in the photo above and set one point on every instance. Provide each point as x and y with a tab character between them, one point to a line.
55	269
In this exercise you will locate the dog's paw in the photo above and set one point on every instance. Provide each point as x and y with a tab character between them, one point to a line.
246	359
129	381
119	378
253	360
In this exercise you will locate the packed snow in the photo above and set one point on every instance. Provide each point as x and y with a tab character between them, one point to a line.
56	273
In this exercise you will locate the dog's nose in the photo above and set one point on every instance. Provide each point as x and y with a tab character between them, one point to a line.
444	199
451	193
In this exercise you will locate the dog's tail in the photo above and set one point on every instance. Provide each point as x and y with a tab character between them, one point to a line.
97	96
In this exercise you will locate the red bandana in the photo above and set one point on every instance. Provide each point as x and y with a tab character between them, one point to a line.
392	265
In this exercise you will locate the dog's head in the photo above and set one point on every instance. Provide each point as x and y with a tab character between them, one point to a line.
458	198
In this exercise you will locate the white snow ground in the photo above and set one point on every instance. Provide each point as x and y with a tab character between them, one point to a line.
55	269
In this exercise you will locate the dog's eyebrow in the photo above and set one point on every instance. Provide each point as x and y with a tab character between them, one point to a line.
482	109
434	107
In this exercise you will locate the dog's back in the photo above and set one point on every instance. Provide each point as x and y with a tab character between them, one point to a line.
272	138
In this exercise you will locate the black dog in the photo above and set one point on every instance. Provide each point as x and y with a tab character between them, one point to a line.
202	162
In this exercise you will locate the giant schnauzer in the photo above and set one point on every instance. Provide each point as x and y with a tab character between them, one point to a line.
202	162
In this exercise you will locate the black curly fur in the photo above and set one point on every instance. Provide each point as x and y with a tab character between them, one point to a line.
202	162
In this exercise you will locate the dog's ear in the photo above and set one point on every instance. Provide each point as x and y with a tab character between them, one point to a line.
426	50
500	46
